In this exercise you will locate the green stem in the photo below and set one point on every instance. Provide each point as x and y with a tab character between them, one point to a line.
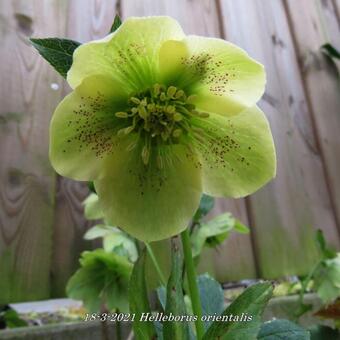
193	288
156	265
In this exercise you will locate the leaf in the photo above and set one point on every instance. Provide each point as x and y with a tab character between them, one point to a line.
102	279
139	303
282	329
10	318
320	332
206	204
213	232
99	230
175	300
327	279
326	252
119	239
243	315
92	208
58	52
212	297
330	50
116	23
114	240
91	187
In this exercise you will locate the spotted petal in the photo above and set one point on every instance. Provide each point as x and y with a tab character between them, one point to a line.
83	128
152	202
224	78
129	55
237	153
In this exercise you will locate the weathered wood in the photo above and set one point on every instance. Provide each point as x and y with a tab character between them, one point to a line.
233	260
285	212
321	84
26	178
85	21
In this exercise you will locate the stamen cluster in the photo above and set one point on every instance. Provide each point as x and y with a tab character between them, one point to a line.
159	115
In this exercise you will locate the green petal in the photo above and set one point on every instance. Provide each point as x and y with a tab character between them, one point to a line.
224	78
152	202
129	55
237	153
82	130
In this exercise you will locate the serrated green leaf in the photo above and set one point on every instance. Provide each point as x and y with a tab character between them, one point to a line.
102	279
206	204
58	52
327	279
212	233
212	297
139	303
175	300
247	307
116	23
282	329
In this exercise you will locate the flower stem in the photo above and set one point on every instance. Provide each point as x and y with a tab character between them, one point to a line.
156	265
193	288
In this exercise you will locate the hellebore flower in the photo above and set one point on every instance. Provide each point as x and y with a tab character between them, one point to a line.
156	118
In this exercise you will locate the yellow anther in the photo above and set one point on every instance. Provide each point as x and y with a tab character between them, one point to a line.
121	132
145	154
134	110
151	107
177	117
163	97
142	112
177	133
135	100
121	114
191	98
156	89
171	91
128	129
170	109
179	94
144	102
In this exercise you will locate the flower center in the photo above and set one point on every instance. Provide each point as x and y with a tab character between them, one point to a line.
159	115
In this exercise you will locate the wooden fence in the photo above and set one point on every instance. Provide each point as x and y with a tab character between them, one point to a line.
41	216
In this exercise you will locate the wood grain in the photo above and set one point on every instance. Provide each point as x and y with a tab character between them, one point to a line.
92	22
233	260
285	212
26	178
321	84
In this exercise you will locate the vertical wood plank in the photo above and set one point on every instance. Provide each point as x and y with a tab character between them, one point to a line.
27	180
321	85
285	212
233	260
86	20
